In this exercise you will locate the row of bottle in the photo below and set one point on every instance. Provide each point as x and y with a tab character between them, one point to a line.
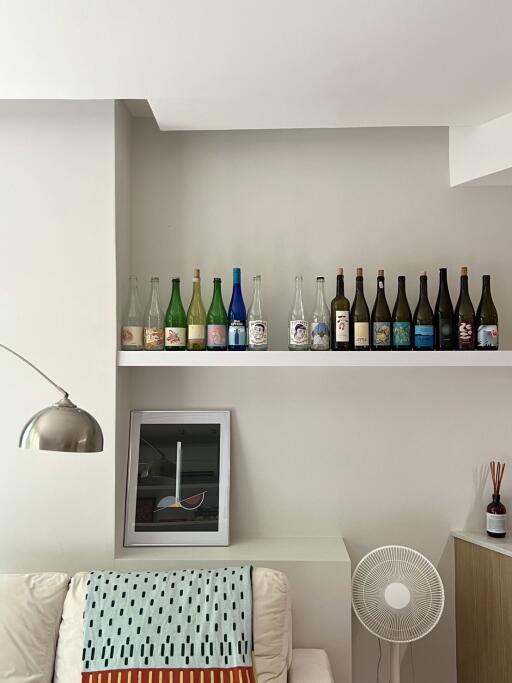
443	329
196	330
340	327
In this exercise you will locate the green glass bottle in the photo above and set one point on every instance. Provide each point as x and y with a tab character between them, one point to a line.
359	317
486	319
340	316
401	319
381	318
465	315
175	321
217	320
196	318
423	319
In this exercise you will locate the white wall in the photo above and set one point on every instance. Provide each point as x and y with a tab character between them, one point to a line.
57	289
379	456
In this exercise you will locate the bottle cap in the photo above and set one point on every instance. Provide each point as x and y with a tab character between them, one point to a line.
401	277
339	271
423	273
380	273
464	271
236	276
197	273
320	278
359	272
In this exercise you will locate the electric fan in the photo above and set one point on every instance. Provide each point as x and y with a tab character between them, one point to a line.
397	595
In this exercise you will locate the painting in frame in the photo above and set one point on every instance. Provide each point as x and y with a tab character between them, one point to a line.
177	489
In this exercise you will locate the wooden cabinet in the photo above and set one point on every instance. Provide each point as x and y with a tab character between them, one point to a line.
483	598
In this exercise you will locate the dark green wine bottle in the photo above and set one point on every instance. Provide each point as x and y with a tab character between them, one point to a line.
423	319
401	320
340	316
465	315
359	318
487	336
217	320
381	318
443	314
175	321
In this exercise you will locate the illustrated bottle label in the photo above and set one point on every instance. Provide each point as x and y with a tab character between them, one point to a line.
236	334
258	333
175	336
466	333
424	336
487	336
401	333
342	326
131	336
153	338
299	332
217	335
320	336
445	332
381	334
496	524
361	334
196	333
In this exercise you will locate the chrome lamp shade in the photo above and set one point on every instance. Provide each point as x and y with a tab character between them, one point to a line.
63	427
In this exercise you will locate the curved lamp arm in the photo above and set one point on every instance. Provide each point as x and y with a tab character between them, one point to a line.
15	353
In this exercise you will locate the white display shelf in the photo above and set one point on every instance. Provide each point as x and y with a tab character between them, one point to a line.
305	359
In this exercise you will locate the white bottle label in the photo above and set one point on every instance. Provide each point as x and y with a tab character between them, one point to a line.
131	336
299	333
496	524
258	334
196	333
342	322
175	336
361	334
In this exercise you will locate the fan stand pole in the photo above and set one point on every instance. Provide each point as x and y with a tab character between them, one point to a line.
395	663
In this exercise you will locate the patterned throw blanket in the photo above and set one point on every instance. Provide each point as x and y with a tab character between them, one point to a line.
190	626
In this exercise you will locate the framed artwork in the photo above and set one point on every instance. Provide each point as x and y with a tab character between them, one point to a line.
177	489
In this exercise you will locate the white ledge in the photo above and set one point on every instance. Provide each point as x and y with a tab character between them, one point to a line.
371	359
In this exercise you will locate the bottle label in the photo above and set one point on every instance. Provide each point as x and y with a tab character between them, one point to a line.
496	524
237	336
320	336
487	336
466	333
401	333
217	335
131	336
424	336
445	332
153	338
299	332
381	334
176	336
258	333
361	334
342	326
196	333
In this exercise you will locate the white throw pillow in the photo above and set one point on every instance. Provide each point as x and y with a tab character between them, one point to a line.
30	613
272	628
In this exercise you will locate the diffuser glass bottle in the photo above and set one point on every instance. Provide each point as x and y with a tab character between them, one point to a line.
496	522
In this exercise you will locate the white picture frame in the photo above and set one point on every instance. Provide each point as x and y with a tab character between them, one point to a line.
155	532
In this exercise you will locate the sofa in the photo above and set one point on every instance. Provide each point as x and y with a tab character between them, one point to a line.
41	630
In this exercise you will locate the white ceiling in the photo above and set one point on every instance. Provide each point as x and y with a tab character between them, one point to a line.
267	63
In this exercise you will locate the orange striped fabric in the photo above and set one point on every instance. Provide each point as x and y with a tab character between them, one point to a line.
243	674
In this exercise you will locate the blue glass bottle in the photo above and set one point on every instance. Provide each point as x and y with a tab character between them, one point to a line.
237	316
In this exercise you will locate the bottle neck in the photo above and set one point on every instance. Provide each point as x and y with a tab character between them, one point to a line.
463	284
340	286
401	289
196	288
154	292
443	279
298	291
486	286
175	290
320	292
217	292
257	292
359	284
380	286
423	287
496	497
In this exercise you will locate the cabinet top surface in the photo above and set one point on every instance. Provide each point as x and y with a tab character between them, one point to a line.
498	545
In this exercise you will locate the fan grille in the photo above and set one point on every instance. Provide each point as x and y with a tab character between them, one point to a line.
397	564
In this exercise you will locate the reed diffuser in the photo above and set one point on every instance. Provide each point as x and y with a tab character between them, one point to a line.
496	511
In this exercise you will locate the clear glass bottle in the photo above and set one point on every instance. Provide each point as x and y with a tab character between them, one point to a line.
131	332
320	320
257	327
154	323
298	326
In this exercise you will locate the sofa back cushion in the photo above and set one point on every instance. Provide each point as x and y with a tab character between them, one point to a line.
30	613
272	628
